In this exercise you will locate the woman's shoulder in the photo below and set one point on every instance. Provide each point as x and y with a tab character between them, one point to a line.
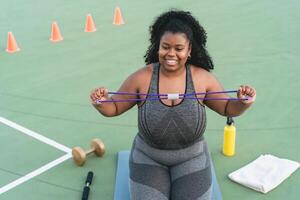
201	77
204	77
200	72
144	72
142	75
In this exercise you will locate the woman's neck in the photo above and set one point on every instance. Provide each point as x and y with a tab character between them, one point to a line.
172	74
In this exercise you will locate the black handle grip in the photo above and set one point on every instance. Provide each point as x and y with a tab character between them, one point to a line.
85	194
89	178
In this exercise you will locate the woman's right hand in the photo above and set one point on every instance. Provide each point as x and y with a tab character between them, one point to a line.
98	94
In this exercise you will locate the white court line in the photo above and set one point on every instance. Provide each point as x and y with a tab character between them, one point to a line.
35	135
41	169
34	173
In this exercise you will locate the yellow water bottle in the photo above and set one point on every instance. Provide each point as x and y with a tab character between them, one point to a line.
229	138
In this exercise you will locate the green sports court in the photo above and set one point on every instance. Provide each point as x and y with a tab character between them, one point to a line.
45	87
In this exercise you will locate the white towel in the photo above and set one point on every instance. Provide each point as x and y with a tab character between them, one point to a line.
265	173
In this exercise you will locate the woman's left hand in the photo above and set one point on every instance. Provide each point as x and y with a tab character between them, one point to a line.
246	92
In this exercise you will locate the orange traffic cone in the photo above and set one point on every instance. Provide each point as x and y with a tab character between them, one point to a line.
90	25
55	33
12	45
118	19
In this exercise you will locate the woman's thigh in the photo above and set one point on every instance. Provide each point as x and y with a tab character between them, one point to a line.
191	180
148	179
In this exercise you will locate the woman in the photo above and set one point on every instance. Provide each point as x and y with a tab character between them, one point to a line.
169	157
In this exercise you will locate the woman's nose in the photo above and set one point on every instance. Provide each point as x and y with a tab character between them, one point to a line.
171	52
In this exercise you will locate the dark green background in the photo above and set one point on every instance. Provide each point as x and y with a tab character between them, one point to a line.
45	87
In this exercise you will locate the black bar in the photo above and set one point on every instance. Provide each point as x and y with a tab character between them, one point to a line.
85	194
86	189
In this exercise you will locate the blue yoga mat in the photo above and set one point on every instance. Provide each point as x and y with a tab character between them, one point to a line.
122	179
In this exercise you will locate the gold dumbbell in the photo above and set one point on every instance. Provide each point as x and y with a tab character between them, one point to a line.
79	155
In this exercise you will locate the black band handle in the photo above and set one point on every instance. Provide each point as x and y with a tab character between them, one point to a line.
89	178
85	194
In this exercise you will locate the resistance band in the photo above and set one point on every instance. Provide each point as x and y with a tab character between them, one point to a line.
171	96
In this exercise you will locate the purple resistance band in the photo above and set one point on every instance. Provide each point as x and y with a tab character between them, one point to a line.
187	94
155	97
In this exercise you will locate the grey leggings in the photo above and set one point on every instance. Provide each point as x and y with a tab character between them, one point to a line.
182	174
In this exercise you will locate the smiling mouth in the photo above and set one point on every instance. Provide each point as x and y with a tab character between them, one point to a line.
171	62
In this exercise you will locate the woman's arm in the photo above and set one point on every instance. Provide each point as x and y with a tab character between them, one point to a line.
228	107
137	82
110	109
235	108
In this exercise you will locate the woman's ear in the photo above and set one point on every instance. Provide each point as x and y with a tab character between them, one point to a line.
190	51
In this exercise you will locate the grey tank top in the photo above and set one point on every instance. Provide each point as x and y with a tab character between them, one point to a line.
171	127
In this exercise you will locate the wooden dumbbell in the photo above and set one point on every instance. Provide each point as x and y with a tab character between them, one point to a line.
79	155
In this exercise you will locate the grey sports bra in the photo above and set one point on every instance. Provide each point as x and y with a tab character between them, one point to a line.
171	127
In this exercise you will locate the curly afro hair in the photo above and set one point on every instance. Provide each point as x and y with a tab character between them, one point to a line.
176	21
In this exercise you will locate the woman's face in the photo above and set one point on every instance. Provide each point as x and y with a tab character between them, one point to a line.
174	49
